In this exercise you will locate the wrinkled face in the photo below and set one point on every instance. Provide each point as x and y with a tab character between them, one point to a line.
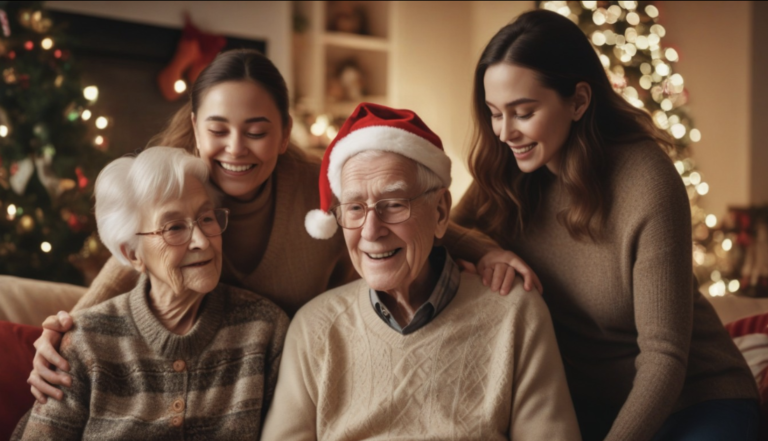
534	121
194	266
240	134
390	257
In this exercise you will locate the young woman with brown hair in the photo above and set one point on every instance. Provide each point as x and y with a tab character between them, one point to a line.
577	182
237	121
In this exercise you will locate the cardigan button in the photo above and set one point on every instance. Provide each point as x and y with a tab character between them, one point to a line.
178	405
176	421
179	365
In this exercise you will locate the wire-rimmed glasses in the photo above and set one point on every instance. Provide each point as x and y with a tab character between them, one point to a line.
178	232
352	215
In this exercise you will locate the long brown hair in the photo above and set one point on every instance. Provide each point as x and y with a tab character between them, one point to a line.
233	65
562	56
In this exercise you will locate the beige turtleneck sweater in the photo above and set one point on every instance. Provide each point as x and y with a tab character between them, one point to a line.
638	340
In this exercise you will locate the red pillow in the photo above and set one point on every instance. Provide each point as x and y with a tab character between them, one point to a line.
16	353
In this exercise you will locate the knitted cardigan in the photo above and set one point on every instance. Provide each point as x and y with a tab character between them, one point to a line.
134	379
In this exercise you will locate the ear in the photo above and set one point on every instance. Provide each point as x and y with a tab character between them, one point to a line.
136	261
443	212
581	99
286	135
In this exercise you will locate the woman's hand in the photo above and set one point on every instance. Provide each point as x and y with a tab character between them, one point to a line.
498	269
43	377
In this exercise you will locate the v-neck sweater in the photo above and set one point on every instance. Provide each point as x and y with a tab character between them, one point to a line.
133	378
486	368
637	338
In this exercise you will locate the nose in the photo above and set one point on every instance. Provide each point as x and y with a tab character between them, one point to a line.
508	130
199	240
236	145
373	228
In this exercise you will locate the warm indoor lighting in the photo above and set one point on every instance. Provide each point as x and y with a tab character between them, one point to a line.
101	123
11	211
680	166
733	285
589	5
678	130
86	115
671	54
3	131
659	30
695	178
99	140
598	38
727	244
711	220
662	69
46	44
633	18
46	247
695	135
666	105
91	93
702	188
599	17
652	11
179	86
717	289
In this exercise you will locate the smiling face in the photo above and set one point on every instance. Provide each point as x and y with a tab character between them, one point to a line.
240	134
392	257
533	120
194	266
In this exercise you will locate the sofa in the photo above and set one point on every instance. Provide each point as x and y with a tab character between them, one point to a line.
24	304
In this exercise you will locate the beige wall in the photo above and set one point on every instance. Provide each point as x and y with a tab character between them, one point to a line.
258	20
713	39
759	169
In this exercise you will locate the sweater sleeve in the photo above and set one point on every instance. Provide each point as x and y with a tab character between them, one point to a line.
542	408
274	358
292	416
662	289
113	279
66	419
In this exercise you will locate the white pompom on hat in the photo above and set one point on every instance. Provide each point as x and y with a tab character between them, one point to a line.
374	127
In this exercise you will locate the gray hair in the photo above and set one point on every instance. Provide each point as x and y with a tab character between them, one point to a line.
126	186
426	179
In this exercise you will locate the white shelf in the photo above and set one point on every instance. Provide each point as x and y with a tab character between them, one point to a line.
354	41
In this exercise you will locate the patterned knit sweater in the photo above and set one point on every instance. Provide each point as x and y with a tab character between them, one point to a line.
486	368
637	339
134	379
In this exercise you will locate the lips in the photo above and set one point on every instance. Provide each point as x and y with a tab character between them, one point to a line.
382	256
198	264
523	149
235	168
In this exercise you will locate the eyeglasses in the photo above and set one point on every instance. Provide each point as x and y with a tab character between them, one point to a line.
178	232
352	215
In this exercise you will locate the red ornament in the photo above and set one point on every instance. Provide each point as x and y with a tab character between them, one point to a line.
57	53
29	45
12	55
14	168
82	181
74	223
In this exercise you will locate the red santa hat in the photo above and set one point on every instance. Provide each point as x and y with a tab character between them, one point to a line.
374	127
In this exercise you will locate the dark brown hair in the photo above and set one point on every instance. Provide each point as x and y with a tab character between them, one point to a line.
562	56
233	65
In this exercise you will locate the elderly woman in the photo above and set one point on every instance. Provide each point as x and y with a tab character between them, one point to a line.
167	360
415	350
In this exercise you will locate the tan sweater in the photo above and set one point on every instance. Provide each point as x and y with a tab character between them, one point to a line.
267	250
134	379
486	368
637	339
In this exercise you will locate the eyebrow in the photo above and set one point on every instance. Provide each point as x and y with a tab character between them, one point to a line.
516	102
255	119
391	188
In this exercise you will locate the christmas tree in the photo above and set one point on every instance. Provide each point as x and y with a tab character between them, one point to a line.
628	40
51	148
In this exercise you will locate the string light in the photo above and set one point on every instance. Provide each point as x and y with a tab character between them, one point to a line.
99	140
46	247
695	178
652	11
86	115
101	123
29	45
3	131
695	135
711	220
46	44
702	188
671	54
179	86
727	244
11	210
91	93
733	285
633	18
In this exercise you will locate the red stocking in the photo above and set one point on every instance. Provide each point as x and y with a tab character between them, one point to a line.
210	46
187	53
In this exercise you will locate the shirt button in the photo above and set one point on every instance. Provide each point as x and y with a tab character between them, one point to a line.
178	405
179	365
176	421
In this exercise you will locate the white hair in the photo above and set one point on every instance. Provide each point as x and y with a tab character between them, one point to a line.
426	179
129	185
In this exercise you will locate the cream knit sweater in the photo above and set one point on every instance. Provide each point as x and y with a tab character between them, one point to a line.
486	368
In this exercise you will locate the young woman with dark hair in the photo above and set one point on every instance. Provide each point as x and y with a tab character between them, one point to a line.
577	182
237	121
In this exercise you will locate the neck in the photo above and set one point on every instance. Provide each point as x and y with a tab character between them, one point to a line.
176	312
404	302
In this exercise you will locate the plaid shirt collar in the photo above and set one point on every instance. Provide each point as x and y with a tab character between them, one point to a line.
444	291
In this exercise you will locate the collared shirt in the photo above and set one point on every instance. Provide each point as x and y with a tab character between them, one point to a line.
445	289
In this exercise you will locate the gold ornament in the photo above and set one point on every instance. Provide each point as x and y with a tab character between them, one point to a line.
27	223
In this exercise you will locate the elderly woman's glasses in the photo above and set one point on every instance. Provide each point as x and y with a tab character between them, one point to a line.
390	211
178	232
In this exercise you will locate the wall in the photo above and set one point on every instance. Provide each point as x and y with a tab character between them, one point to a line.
263	20
759	108
714	43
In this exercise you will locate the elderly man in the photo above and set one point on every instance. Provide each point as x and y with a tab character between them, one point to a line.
416	349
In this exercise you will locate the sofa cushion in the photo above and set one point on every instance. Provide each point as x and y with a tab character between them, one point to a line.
16	353
30	301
